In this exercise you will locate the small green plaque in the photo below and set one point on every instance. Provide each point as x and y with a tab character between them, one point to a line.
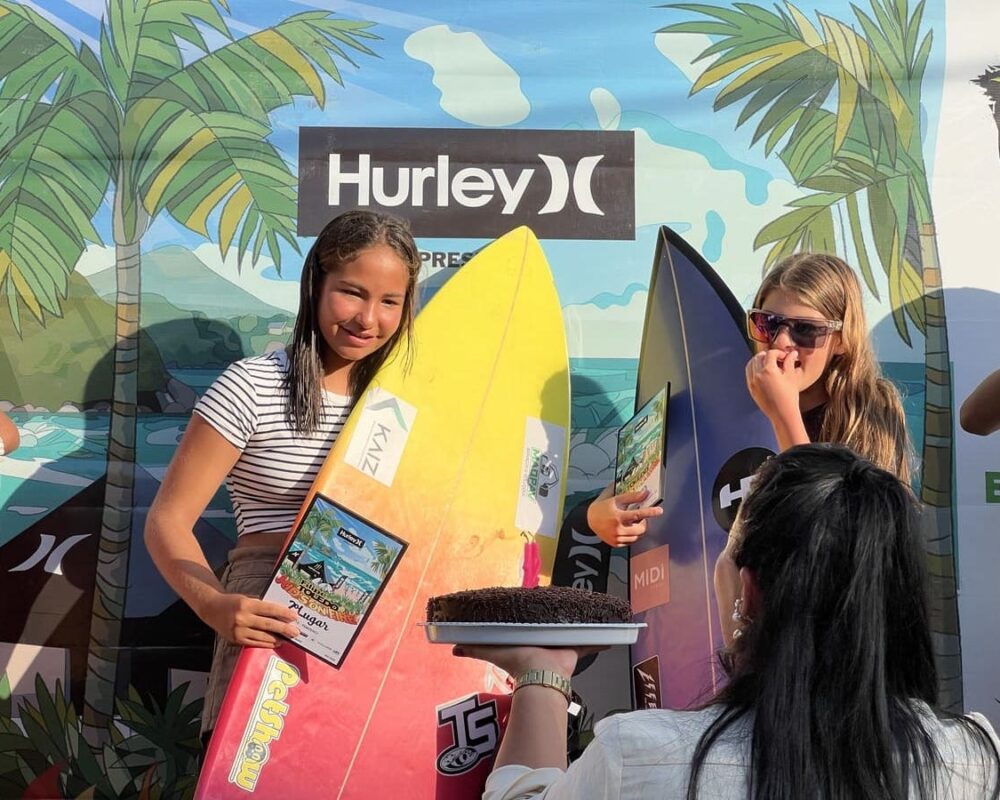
993	487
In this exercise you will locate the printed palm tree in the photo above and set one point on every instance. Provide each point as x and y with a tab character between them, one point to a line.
384	556
166	124
841	108
324	524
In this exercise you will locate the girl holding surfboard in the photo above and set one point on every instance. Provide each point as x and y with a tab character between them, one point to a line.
816	378
265	426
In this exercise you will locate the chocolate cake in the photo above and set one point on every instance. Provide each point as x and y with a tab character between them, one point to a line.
528	605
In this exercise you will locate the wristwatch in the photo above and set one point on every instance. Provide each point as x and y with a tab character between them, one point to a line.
546	677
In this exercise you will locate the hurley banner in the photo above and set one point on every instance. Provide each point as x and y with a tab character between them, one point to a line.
455	182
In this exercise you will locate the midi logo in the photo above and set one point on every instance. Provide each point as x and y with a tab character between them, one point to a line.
475	733
649	578
267	720
470	183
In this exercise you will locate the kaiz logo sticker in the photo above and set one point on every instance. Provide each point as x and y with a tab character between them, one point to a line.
379	439
475	732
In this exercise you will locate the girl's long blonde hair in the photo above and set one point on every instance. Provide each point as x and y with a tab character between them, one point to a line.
864	410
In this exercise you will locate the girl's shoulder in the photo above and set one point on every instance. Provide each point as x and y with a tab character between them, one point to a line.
265	368
254	376
275	361
658	735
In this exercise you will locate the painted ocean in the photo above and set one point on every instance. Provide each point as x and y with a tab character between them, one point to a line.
62	453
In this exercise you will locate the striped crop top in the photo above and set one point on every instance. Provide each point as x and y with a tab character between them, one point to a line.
277	465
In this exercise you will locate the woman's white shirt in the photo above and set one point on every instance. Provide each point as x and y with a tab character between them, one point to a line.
647	754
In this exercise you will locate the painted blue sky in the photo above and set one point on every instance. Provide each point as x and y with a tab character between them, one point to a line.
572	59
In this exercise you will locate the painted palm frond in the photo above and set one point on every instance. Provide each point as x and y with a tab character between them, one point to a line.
269	68
839	108
807	227
40	65
780	61
141	40
53	177
198	135
56	155
191	164
384	556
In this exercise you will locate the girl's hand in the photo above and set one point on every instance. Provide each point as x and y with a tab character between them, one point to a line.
515	660
773	381
250	622
614	522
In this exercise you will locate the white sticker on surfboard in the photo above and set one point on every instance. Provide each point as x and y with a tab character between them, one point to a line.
379	439
541	475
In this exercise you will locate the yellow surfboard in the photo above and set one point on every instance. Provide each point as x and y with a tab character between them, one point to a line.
458	448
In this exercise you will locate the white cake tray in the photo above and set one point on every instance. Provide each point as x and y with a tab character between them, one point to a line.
548	634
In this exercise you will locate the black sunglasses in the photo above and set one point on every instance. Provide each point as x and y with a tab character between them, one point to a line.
764	326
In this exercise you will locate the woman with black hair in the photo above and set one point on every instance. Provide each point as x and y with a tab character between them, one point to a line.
266	425
832	684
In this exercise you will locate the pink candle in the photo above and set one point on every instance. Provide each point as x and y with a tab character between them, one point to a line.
531	563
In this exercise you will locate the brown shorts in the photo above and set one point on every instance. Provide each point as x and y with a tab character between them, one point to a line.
247	572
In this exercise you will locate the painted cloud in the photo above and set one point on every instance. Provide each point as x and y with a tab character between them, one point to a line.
476	85
681	50
612	330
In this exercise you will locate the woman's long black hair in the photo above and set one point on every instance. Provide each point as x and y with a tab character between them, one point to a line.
341	240
839	649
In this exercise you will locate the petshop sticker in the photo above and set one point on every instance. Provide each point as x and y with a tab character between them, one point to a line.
267	720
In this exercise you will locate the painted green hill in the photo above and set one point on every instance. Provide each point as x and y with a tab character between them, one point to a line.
68	360
178	275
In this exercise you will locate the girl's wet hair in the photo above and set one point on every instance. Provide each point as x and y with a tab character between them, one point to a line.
864	410
343	238
840	644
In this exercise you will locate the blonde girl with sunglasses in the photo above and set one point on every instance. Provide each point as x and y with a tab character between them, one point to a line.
816	378
815	375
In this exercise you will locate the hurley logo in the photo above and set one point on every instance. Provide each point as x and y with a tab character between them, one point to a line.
467	183
734	482
471	187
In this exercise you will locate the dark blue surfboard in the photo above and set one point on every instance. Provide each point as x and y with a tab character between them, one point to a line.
694	339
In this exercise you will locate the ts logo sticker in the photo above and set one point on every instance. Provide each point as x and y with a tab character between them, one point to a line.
475	733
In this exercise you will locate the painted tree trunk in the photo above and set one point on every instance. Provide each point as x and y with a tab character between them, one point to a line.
111	581
936	480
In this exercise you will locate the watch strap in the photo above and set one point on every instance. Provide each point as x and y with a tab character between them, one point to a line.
546	677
